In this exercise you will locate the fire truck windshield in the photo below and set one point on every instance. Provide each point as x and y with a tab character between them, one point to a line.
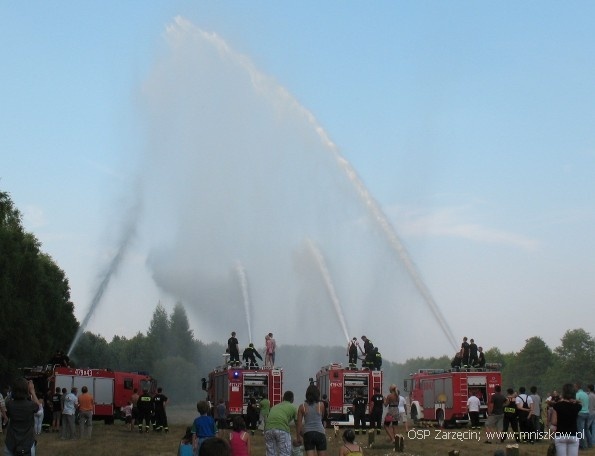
146	385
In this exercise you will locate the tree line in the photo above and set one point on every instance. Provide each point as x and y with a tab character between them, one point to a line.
38	318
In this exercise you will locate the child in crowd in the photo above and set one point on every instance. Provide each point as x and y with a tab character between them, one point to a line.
185	448
239	439
127	412
38	424
350	448
203	427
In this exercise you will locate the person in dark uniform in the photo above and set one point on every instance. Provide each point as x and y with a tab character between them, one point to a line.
56	410
160	401
377	359
233	348
456	361
510	417
352	353
359	412
368	345
60	358
252	415
145	409
481	359
249	356
325	420
472	353
377	408
368	359
465	353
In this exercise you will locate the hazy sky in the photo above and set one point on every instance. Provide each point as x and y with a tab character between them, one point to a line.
470	123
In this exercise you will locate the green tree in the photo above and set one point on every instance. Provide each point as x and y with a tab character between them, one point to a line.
136	354
158	333
34	294
92	350
531	364
494	355
181	337
574	360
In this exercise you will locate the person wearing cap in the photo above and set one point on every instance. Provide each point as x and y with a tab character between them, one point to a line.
352	353
249	356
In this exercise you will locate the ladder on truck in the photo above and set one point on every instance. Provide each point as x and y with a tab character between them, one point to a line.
376	382
464	392
277	386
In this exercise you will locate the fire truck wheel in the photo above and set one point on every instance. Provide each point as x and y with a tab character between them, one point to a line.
440	418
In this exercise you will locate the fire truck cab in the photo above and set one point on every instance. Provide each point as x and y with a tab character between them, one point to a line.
342	385
441	395
111	390
236	385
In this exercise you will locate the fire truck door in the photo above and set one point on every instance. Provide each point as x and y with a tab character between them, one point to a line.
103	391
64	381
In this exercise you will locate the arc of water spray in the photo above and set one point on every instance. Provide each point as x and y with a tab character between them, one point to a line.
245	295
260	81
380	218
395	242
321	263
128	234
269	88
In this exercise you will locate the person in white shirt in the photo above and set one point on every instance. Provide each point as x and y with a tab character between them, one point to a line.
473	406
71	402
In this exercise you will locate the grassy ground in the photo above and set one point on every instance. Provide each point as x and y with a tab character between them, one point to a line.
116	440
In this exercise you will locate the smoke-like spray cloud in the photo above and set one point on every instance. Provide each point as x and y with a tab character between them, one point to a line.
235	168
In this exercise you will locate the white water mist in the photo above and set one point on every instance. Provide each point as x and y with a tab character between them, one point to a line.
235	168
128	227
330	288
245	296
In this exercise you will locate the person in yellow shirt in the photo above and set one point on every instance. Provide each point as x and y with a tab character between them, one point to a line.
86	405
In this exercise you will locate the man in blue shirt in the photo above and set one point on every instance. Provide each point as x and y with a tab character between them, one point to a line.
583	415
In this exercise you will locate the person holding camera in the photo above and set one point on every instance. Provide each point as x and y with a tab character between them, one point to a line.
20	434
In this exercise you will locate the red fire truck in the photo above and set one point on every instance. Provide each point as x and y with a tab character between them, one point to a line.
342	385
236	385
441	395
111	390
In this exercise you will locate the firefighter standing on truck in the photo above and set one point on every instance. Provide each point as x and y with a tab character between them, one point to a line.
145	409
249	356
368	359
352	353
377	359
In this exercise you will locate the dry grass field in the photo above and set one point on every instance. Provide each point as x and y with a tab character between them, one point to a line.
116	440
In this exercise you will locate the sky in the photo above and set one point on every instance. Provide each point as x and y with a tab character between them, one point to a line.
416	171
